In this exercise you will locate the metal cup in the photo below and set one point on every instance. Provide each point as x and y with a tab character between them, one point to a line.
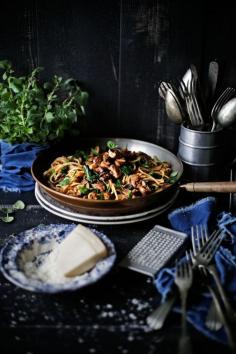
202	153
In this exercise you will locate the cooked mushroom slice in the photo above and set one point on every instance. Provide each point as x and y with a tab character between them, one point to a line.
112	153
92	195
115	171
120	162
100	186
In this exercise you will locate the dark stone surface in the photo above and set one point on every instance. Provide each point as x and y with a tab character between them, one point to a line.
107	317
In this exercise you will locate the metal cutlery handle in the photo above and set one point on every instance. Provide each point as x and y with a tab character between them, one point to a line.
228	329
157	318
185	345
213	319
212	79
214	187
229	310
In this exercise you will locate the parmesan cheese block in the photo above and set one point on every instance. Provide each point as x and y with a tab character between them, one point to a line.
78	252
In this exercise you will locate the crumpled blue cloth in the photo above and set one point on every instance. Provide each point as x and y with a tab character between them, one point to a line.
203	212
15	163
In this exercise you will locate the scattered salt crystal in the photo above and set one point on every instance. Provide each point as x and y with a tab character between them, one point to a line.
132	316
21	318
135	301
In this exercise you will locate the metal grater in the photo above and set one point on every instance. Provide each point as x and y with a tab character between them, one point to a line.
154	251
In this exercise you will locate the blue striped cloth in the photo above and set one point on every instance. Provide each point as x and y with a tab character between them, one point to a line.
203	212
15	163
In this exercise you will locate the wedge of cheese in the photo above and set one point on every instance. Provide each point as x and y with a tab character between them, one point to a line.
78	252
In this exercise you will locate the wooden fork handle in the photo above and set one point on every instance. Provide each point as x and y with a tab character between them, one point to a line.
212	187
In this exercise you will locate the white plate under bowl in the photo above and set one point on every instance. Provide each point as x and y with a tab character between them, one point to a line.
36	242
65	212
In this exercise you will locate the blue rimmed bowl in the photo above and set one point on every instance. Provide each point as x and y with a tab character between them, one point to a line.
30	247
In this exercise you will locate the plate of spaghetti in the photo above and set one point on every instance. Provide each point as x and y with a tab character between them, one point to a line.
109	175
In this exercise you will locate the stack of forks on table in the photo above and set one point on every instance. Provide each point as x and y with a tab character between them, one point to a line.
199	260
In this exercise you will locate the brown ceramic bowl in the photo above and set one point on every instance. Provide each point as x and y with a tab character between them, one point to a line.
107	207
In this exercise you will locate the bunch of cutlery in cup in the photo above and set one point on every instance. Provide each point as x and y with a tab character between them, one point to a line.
187	102
199	261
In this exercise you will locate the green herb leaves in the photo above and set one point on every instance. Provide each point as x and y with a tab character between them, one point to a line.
18	205
173	177
126	170
83	190
35	112
4	212
90	175
64	182
111	144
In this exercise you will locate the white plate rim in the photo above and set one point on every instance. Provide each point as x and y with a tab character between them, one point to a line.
102	222
104	218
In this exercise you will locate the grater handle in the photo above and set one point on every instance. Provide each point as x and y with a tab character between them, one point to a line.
214	187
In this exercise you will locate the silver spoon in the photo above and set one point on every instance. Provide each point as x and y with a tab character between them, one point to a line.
220	102
173	107
227	115
187	77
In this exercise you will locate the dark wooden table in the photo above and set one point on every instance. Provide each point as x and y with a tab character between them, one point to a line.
107	317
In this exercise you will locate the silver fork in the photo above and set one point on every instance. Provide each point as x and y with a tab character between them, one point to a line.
183	280
199	237
183	89
224	97
195	105
157	318
203	258
230	332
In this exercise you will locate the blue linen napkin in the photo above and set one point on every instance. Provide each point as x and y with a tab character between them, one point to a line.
15	163
203	212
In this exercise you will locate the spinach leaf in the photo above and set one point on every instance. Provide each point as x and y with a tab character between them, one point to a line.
64	182
90	175
173	177
174	174
118	183
155	175
64	170
83	190
126	169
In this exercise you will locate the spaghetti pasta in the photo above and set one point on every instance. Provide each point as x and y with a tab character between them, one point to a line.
114	174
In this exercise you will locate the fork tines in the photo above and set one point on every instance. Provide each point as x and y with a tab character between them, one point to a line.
206	247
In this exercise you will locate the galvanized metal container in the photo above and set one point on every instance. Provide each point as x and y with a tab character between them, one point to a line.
203	153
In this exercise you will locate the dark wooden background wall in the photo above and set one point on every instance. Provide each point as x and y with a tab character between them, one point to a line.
120	50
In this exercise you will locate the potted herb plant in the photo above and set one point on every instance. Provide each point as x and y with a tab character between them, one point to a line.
33	114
